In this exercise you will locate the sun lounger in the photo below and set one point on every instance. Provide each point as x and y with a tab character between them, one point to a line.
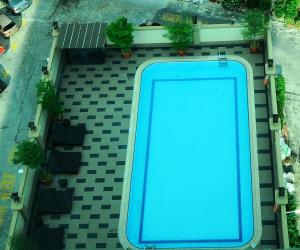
64	162
68	135
51	201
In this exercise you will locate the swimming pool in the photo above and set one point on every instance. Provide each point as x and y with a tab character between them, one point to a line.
191	177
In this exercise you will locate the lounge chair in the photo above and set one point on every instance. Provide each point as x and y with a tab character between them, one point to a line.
64	162
51	201
68	135
45	238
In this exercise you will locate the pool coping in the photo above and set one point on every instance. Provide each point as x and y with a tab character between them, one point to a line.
131	140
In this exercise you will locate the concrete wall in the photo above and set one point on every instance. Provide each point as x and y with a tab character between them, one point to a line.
203	33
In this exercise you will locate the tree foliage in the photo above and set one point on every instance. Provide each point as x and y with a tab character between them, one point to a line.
29	153
48	97
254	26
120	33
181	34
280	94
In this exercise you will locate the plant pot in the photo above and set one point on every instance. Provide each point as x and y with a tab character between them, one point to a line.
46	181
45	177
58	118
126	55
253	50
181	52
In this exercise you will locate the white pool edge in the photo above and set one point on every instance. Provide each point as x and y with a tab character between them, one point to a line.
131	140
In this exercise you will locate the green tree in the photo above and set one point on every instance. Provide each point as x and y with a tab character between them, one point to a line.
181	34
291	9
280	95
29	153
120	33
48	98
254	26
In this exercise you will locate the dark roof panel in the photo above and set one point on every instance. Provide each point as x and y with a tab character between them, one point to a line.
85	35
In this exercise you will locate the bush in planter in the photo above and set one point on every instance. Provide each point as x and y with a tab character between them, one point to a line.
279	8
29	153
181	34
293	231
120	33
48	98
21	242
280	95
254	26
45	176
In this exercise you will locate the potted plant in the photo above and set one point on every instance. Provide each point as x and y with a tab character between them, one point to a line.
49	99
31	154
20	242
120	33
254	26
181	35
45	176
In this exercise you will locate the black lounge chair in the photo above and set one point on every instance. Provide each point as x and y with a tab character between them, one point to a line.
45	238
51	201
68	135
64	162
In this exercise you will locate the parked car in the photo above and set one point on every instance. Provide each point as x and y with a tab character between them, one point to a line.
2	86
16	6
7	26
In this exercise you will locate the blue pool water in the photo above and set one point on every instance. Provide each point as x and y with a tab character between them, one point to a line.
191	182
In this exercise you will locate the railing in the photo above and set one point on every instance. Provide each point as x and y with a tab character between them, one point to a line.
280	199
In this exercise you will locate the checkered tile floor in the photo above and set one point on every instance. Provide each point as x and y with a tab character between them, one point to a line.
100	96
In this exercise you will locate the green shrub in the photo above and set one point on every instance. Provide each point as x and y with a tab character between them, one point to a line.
120	33
29	153
290	10
280	94
21	242
254	26
292	205
48	98
293	231
232	4
289	21
181	34
279	8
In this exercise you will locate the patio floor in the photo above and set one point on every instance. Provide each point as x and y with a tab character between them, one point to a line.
100	96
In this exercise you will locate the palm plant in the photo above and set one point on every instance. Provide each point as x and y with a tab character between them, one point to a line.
29	153
254	26
181	35
48	98
120	33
